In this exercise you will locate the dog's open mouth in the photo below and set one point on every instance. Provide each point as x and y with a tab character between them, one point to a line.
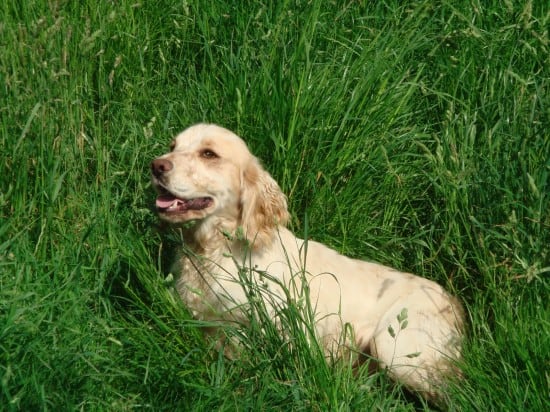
168	203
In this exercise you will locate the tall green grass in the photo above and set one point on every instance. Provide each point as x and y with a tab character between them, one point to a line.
412	134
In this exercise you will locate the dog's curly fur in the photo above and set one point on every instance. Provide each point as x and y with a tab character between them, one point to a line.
232	211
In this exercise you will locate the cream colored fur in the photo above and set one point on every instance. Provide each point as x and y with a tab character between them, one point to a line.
208	161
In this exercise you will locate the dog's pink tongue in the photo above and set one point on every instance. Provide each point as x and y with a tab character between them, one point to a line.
164	202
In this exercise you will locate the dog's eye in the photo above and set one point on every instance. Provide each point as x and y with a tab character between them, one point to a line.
208	154
172	145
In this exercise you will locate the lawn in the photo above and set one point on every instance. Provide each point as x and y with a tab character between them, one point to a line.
415	134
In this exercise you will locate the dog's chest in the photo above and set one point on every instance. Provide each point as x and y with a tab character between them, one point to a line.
208	289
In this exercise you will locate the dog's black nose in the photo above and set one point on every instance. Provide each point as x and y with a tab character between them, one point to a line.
161	166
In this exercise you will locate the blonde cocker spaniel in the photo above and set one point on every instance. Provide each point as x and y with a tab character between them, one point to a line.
233	215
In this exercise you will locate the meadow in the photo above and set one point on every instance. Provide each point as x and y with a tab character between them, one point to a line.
415	134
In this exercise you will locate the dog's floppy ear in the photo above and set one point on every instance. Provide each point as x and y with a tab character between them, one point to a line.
263	205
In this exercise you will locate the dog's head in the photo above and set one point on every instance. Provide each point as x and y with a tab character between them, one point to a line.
210	175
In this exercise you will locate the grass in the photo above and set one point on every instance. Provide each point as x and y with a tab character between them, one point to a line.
412	134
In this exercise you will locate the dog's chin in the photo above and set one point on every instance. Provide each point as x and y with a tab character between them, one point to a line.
178	218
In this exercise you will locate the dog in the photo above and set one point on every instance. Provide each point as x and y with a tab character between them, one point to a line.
233	215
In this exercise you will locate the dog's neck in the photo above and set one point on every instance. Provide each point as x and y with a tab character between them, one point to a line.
216	234
210	235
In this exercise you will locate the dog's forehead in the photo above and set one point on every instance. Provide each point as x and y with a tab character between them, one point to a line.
209	136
